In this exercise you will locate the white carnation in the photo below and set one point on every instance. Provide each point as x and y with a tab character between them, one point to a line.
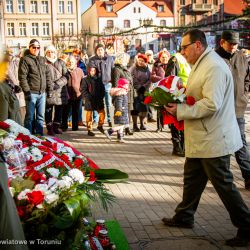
63	184
76	175
53	183
53	171
42	187
51	198
22	195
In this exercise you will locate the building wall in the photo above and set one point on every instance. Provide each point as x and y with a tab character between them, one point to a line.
90	22
53	18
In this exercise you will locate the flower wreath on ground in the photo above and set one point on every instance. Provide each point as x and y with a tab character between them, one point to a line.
168	90
51	182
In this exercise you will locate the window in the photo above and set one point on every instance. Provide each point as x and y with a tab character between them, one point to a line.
193	19
109	7
126	23
182	2
71	28
163	23
110	23
21	7
193	1
70	7
45	29
34	29
139	10
215	2
182	20
160	8
45	7
22	29
61	7
10	29
33	7
205	16
205	1
62	29
9	6
134	10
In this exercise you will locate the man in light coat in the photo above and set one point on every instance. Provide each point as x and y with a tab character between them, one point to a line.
211	136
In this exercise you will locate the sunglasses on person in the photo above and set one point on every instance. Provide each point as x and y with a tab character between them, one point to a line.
34	47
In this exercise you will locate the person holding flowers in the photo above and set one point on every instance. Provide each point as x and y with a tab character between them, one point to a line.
141	80
211	136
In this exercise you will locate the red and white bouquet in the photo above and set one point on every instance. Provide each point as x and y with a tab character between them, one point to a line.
168	90
51	182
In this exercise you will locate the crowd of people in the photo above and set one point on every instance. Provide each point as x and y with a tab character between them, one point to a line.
54	89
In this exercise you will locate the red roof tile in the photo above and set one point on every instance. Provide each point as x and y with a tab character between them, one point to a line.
101	8
233	8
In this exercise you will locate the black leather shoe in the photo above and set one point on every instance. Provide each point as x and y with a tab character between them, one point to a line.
247	184
173	223
91	133
128	131
110	124
237	242
100	128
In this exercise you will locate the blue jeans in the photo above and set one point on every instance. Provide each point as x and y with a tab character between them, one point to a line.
197	171
242	155
35	109
108	102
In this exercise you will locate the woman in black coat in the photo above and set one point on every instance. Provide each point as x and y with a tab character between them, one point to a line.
120	71
93	92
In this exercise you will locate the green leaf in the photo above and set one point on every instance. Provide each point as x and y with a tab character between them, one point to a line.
70	211
110	175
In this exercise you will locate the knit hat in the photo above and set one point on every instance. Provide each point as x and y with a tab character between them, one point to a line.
123	83
149	52
34	42
100	45
143	56
50	48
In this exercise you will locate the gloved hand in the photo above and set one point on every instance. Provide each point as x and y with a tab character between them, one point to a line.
27	95
17	89
118	113
56	86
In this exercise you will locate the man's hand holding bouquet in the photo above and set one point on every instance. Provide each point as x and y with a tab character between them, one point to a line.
168	90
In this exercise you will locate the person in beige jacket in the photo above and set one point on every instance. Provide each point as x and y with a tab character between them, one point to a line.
211	136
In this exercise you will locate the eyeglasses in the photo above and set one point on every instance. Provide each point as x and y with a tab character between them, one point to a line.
185	46
33	47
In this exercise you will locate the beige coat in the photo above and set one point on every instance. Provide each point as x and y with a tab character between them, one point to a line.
211	128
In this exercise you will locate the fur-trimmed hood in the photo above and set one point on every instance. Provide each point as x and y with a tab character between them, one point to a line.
118	91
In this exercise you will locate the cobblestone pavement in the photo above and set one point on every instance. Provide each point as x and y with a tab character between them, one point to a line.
154	189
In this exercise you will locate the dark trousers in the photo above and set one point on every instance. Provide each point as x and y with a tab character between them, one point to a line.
243	156
74	105
57	114
197	171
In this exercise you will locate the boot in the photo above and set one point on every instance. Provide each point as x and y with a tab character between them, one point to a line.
120	137
56	128
142	116
128	131
135	127
50	129
177	148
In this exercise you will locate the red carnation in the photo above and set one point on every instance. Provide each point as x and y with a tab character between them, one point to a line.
36	197
47	144
34	175
92	176
4	125
64	158
78	162
58	164
166	82
21	211
190	100
148	100
24	138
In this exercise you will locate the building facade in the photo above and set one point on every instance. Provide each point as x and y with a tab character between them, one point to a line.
50	21
111	17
